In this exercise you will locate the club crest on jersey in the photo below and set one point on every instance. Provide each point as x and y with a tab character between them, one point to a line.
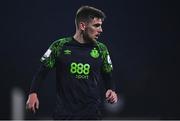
94	53
67	52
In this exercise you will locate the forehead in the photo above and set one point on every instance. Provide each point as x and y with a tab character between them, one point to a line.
96	21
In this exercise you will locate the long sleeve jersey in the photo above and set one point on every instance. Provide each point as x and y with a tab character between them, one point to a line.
80	71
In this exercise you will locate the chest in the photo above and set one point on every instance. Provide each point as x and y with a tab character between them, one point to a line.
80	57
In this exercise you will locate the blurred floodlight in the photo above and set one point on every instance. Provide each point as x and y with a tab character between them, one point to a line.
116	107
17	104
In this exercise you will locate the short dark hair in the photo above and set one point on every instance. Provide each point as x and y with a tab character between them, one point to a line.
85	13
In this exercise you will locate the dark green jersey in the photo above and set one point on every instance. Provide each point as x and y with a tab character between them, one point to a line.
80	71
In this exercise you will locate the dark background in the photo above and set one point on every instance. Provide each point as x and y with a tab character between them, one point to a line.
142	37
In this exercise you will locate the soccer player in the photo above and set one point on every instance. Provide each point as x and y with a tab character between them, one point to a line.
82	65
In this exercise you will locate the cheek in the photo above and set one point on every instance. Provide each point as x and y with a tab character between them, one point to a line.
92	31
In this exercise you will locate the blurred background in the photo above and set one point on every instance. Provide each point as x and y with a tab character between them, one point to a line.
142	37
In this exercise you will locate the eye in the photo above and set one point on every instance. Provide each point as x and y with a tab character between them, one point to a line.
97	25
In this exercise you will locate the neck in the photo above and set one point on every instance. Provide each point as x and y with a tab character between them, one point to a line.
79	37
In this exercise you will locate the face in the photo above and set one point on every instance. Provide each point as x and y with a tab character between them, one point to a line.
93	29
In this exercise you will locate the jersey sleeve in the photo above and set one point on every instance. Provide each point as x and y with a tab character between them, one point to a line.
38	78
49	57
107	68
47	63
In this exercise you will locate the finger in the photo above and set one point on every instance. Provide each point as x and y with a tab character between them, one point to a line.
110	99
115	101
37	105
110	96
28	106
113	97
107	94
33	109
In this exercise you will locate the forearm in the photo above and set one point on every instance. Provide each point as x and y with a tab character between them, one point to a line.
109	83
38	78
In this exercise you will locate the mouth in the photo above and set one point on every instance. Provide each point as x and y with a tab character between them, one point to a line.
97	36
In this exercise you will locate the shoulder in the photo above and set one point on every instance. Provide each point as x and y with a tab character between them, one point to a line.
60	42
101	45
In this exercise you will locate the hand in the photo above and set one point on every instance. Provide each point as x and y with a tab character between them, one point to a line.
111	96
32	103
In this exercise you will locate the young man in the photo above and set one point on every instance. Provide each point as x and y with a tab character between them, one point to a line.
82	65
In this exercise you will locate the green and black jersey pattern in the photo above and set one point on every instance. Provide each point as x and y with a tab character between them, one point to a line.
81	69
56	47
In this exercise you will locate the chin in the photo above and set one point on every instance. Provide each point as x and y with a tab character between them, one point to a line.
94	39
89	38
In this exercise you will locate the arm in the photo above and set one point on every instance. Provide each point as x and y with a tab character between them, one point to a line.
33	102
107	69
47	63
111	95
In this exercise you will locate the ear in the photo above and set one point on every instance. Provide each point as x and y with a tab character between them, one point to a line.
82	26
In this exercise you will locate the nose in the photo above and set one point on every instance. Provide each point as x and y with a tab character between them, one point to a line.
100	29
